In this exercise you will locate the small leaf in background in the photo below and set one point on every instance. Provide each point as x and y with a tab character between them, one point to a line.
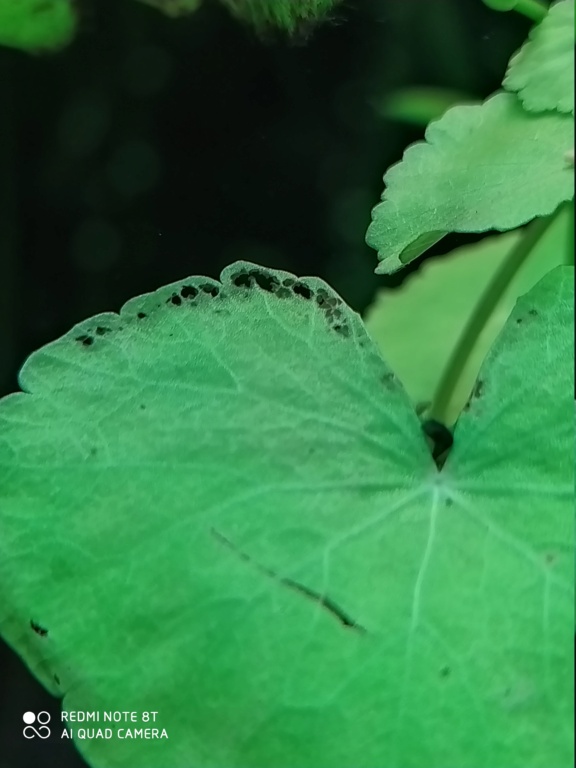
542	72
37	26
417	325
491	166
219	505
290	16
174	8
419	106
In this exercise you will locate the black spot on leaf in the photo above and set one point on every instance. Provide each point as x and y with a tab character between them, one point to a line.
445	671
478	388
38	629
533	312
85	340
101	330
141	315
388	379
175	300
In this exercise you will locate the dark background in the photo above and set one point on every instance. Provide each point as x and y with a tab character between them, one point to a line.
152	149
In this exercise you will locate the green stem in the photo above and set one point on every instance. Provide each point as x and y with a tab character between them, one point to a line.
477	321
533	9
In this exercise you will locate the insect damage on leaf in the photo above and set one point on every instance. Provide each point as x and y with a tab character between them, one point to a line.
323	600
331	305
38	629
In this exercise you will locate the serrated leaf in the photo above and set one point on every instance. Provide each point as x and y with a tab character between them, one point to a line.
37	25
542	72
220	507
491	166
418	325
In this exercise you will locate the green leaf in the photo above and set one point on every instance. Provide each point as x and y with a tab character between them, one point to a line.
491	166
533	9
37	25
542	72
420	105
219	506
417	326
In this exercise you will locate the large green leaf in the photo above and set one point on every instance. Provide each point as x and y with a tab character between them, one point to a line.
490	166
219	506
543	69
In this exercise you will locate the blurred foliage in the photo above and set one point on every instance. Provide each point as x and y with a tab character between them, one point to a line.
533	9
419	106
174	8
37	26
41	26
292	16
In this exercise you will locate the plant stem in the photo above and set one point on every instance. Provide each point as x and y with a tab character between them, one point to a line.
481	314
533	9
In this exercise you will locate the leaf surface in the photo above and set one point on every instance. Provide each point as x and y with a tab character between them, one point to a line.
220	506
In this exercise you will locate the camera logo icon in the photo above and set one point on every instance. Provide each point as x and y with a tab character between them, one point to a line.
41	729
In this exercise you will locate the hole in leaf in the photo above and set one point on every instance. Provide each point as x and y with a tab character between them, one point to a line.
189	292
85	340
211	290
302	290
